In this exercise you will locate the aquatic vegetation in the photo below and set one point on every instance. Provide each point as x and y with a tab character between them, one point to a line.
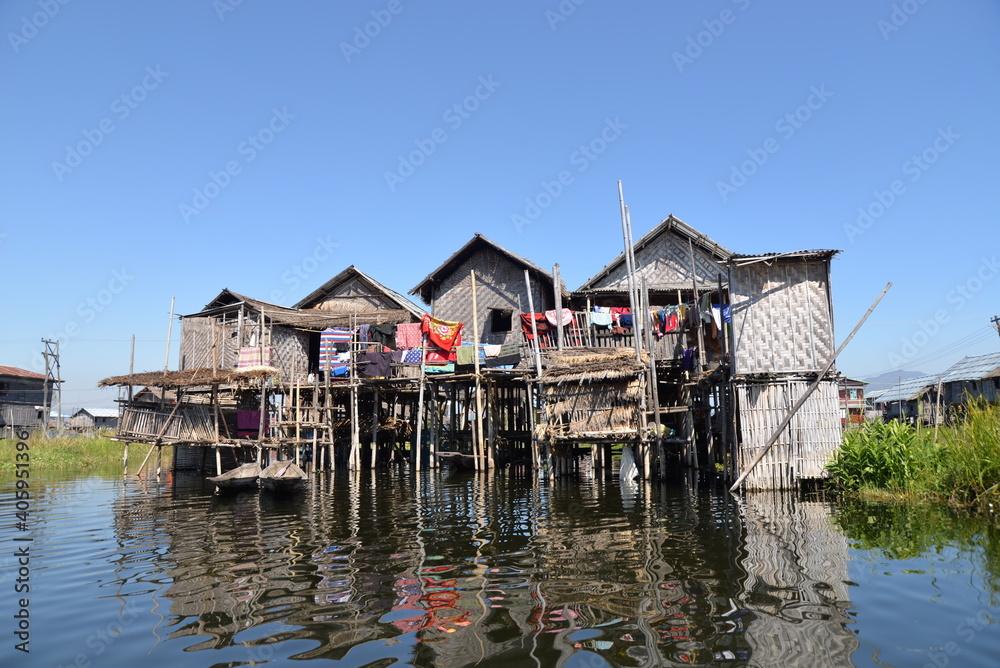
960	462
68	452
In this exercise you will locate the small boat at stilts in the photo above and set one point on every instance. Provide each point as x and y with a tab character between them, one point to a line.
282	477
242	478
459	460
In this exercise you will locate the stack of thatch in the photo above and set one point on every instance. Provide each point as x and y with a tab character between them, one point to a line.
593	393
191	377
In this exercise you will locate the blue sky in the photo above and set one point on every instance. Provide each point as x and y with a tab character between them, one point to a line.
173	149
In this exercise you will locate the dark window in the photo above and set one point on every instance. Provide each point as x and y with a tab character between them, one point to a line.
500	319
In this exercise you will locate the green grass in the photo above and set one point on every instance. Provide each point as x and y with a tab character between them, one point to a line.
70	453
960	463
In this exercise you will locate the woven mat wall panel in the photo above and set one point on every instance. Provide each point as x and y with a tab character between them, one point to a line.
781	317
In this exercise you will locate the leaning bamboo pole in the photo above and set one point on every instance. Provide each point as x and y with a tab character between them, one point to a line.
805	395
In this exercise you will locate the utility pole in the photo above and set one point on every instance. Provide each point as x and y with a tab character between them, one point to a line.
996	323
51	354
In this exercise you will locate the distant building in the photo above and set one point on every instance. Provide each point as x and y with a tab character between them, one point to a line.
88	419
852	400
912	399
972	377
22	396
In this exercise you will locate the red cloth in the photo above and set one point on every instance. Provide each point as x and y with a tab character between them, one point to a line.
437	355
541	324
442	333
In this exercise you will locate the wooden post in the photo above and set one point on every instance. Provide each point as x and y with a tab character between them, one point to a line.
655	390
480	449
420	407
697	308
558	302
125	460
534	327
375	408
170	329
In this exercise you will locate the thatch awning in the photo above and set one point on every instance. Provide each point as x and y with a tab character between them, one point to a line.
190	377
593	365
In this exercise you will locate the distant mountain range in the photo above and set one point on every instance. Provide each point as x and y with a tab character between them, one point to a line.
889	379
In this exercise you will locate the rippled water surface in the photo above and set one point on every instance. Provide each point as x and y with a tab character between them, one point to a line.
381	569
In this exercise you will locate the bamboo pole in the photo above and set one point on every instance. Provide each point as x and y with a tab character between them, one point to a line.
558	302
170	329
630	254
375	407
534	327
805	395
420	407
480	447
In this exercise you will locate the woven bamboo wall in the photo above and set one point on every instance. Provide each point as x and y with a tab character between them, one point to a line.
803	449
664	263
196	343
499	284
290	352
782	317
354	296
796	584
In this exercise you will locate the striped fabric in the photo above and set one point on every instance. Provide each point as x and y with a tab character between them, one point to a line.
254	356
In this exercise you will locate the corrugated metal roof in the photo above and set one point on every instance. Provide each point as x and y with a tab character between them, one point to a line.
99	412
20	373
820	254
972	368
909	389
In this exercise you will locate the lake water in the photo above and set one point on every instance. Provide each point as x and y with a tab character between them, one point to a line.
435	569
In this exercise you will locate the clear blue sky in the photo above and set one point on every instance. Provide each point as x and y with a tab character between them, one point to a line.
165	149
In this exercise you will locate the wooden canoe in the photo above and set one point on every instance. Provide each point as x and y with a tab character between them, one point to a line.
282	477
459	460
243	477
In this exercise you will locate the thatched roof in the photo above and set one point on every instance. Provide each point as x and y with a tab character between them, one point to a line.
589	365
307	318
190	377
425	288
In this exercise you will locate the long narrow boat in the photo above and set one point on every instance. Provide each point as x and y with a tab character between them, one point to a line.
243	477
459	460
282	477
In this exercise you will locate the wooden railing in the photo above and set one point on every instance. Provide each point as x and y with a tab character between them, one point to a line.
187	423
580	334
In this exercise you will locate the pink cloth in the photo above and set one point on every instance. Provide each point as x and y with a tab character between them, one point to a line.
409	335
552	317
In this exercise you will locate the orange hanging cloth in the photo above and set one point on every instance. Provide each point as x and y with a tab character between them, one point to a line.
442	333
